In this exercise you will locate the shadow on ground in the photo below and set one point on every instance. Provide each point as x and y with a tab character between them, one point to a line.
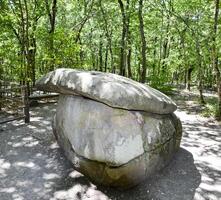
201	137
32	166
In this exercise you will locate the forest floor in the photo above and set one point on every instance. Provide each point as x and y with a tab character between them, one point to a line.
33	167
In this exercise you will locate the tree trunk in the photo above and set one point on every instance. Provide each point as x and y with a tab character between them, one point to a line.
200	72
101	54
106	57
21	38
215	56
189	72
143	43
52	16
185	77
109	37
166	44
160	50
154	56
123	36
25	43
93	61
129	63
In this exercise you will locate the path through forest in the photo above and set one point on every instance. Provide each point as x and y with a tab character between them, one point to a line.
33	167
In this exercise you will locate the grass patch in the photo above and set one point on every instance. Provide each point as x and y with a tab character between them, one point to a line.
166	89
210	108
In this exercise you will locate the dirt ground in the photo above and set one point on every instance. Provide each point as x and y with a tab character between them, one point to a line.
33	167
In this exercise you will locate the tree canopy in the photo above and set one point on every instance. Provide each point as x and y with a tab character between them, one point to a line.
158	42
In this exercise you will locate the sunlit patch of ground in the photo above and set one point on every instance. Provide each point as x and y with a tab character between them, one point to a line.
202	137
190	101
33	167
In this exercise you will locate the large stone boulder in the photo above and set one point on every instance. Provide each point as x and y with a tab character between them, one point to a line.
114	130
111	89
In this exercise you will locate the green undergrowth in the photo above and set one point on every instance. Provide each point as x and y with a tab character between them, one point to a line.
210	108
166	89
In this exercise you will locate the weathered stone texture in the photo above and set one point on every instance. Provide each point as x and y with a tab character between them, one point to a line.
113	146
114	130
111	89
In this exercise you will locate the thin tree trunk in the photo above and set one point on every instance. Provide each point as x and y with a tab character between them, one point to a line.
143	43
166	45
160	50
87	14
52	16
215	55
32	50
200	72
154	56
93	61
106	57
123	34
81	53
113	67
109	37
101	54
185	77
25	42
129	63
189	72
22	42
32	53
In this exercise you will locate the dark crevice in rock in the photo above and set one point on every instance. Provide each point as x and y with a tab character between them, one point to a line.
133	96
85	96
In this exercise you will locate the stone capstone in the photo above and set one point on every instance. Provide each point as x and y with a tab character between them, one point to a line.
111	89
110	144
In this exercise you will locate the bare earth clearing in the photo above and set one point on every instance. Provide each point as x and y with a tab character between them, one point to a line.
33	167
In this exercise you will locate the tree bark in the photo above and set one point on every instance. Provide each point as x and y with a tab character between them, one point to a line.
25	43
123	34
166	45
87	14
200	72
52	16
125	30
108	36
215	55
154	56
189	73
21	38
143	43
129	63
106	57
101	54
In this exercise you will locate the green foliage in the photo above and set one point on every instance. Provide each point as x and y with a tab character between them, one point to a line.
88	35
166	88
210	108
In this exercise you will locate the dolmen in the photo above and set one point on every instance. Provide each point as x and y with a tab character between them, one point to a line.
114	130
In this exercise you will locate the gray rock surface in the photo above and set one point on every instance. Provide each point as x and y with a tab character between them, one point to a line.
111	89
113	136
114	146
113	129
